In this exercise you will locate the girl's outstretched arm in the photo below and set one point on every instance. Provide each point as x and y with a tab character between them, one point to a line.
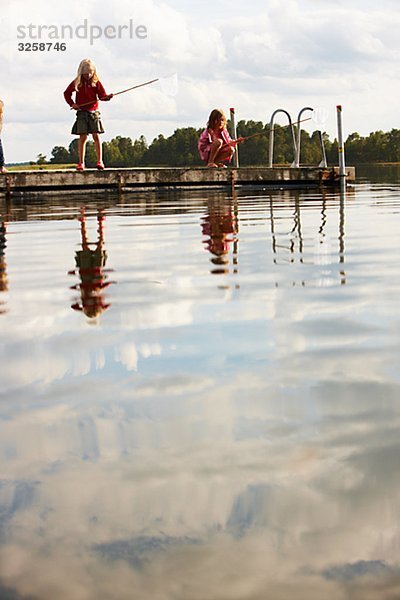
239	140
101	92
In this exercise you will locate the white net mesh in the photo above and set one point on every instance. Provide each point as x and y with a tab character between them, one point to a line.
320	115
169	85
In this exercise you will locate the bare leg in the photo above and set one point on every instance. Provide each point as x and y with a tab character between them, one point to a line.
82	148
97	145
215	147
224	154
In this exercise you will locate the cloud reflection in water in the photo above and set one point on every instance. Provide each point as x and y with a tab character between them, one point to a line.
199	442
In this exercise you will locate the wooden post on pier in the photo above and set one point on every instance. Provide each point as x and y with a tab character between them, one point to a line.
342	162
234	135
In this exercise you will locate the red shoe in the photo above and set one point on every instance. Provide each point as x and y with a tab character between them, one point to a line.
100	165
80	167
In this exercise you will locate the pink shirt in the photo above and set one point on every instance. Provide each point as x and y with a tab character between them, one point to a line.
206	139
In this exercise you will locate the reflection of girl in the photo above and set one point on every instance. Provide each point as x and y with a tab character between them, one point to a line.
215	144
3	266
219	225
88	91
91	264
2	167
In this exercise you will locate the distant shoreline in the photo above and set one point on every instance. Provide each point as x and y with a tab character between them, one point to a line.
53	166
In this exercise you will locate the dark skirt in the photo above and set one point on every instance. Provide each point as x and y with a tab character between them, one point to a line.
87	122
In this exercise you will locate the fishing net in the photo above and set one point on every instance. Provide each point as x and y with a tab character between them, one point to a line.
169	85
320	115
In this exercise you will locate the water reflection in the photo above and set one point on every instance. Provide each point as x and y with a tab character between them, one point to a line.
343	197
220	228
90	264
286	251
200	444
289	245
3	265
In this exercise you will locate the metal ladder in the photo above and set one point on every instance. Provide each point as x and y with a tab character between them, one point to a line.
296	143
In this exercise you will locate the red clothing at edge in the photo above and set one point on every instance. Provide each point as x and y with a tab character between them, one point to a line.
86	93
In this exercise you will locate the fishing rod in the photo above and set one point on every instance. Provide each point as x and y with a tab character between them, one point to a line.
248	137
134	87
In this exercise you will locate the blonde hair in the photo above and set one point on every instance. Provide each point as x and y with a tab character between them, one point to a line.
214	117
86	63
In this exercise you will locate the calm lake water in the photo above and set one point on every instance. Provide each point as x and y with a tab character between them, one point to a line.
200	395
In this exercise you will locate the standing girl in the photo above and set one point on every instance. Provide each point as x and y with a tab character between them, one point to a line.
2	167
215	144
88	91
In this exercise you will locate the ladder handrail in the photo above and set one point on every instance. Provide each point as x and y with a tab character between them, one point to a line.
297	159
323	162
271	135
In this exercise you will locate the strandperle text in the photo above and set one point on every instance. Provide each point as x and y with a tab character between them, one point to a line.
83	31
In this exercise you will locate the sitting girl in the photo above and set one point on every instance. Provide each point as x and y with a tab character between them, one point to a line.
216	147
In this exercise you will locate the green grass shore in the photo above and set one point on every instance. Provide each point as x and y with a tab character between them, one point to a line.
45	167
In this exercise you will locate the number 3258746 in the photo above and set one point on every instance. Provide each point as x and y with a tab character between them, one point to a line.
42	46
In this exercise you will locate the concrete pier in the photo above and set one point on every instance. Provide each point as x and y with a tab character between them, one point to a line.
16	183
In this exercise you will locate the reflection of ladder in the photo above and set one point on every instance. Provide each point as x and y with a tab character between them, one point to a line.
296	143
284	242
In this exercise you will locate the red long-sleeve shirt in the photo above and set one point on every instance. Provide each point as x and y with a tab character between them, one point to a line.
86	94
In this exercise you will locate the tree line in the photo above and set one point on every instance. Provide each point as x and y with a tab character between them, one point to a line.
180	148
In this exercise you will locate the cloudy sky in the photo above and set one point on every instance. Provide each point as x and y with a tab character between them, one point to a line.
256	56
